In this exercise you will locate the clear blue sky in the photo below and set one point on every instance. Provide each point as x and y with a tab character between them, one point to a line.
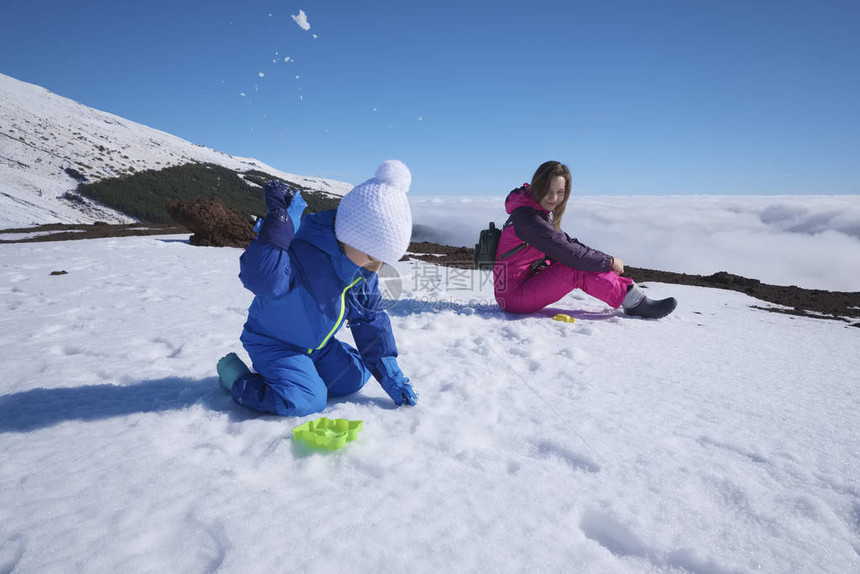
674	96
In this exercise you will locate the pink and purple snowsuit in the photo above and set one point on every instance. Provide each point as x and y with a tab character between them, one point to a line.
550	264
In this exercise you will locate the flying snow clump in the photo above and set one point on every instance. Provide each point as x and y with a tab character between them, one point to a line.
302	20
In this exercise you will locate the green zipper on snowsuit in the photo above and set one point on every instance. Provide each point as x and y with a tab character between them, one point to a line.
339	317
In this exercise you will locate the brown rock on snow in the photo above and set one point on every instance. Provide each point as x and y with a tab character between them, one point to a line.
212	223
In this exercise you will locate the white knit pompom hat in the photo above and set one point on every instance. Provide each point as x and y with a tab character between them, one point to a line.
375	216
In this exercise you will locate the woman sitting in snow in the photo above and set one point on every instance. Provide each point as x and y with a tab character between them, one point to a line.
309	276
538	264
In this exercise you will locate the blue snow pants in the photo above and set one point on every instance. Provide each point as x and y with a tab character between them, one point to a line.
292	383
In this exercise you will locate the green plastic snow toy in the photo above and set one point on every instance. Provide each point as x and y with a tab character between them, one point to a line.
329	434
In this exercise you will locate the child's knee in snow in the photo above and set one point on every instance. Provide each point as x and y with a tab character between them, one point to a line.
306	404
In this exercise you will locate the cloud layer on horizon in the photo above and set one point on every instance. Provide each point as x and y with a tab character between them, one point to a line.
808	241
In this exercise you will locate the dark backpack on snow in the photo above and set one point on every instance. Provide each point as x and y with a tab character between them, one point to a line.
488	244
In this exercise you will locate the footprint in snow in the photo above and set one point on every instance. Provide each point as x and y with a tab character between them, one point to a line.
610	533
577	461
11	551
754	457
622	541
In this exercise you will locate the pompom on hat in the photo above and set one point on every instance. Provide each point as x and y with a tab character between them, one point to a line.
375	216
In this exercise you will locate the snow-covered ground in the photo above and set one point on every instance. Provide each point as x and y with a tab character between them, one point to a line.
720	439
42	134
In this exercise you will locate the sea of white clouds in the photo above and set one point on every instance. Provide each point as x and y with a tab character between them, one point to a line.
808	241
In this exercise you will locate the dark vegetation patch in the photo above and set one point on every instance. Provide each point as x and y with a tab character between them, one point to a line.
144	195
73	198
97	230
460	257
75	174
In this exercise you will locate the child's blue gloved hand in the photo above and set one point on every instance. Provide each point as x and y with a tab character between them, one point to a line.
277	195
395	384
280	197
284	204
400	391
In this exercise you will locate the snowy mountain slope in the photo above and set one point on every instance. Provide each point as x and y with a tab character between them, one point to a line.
43	134
721	439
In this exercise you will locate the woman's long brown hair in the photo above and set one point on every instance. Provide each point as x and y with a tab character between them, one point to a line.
540	187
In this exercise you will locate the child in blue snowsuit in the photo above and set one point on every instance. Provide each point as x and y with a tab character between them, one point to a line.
310	276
